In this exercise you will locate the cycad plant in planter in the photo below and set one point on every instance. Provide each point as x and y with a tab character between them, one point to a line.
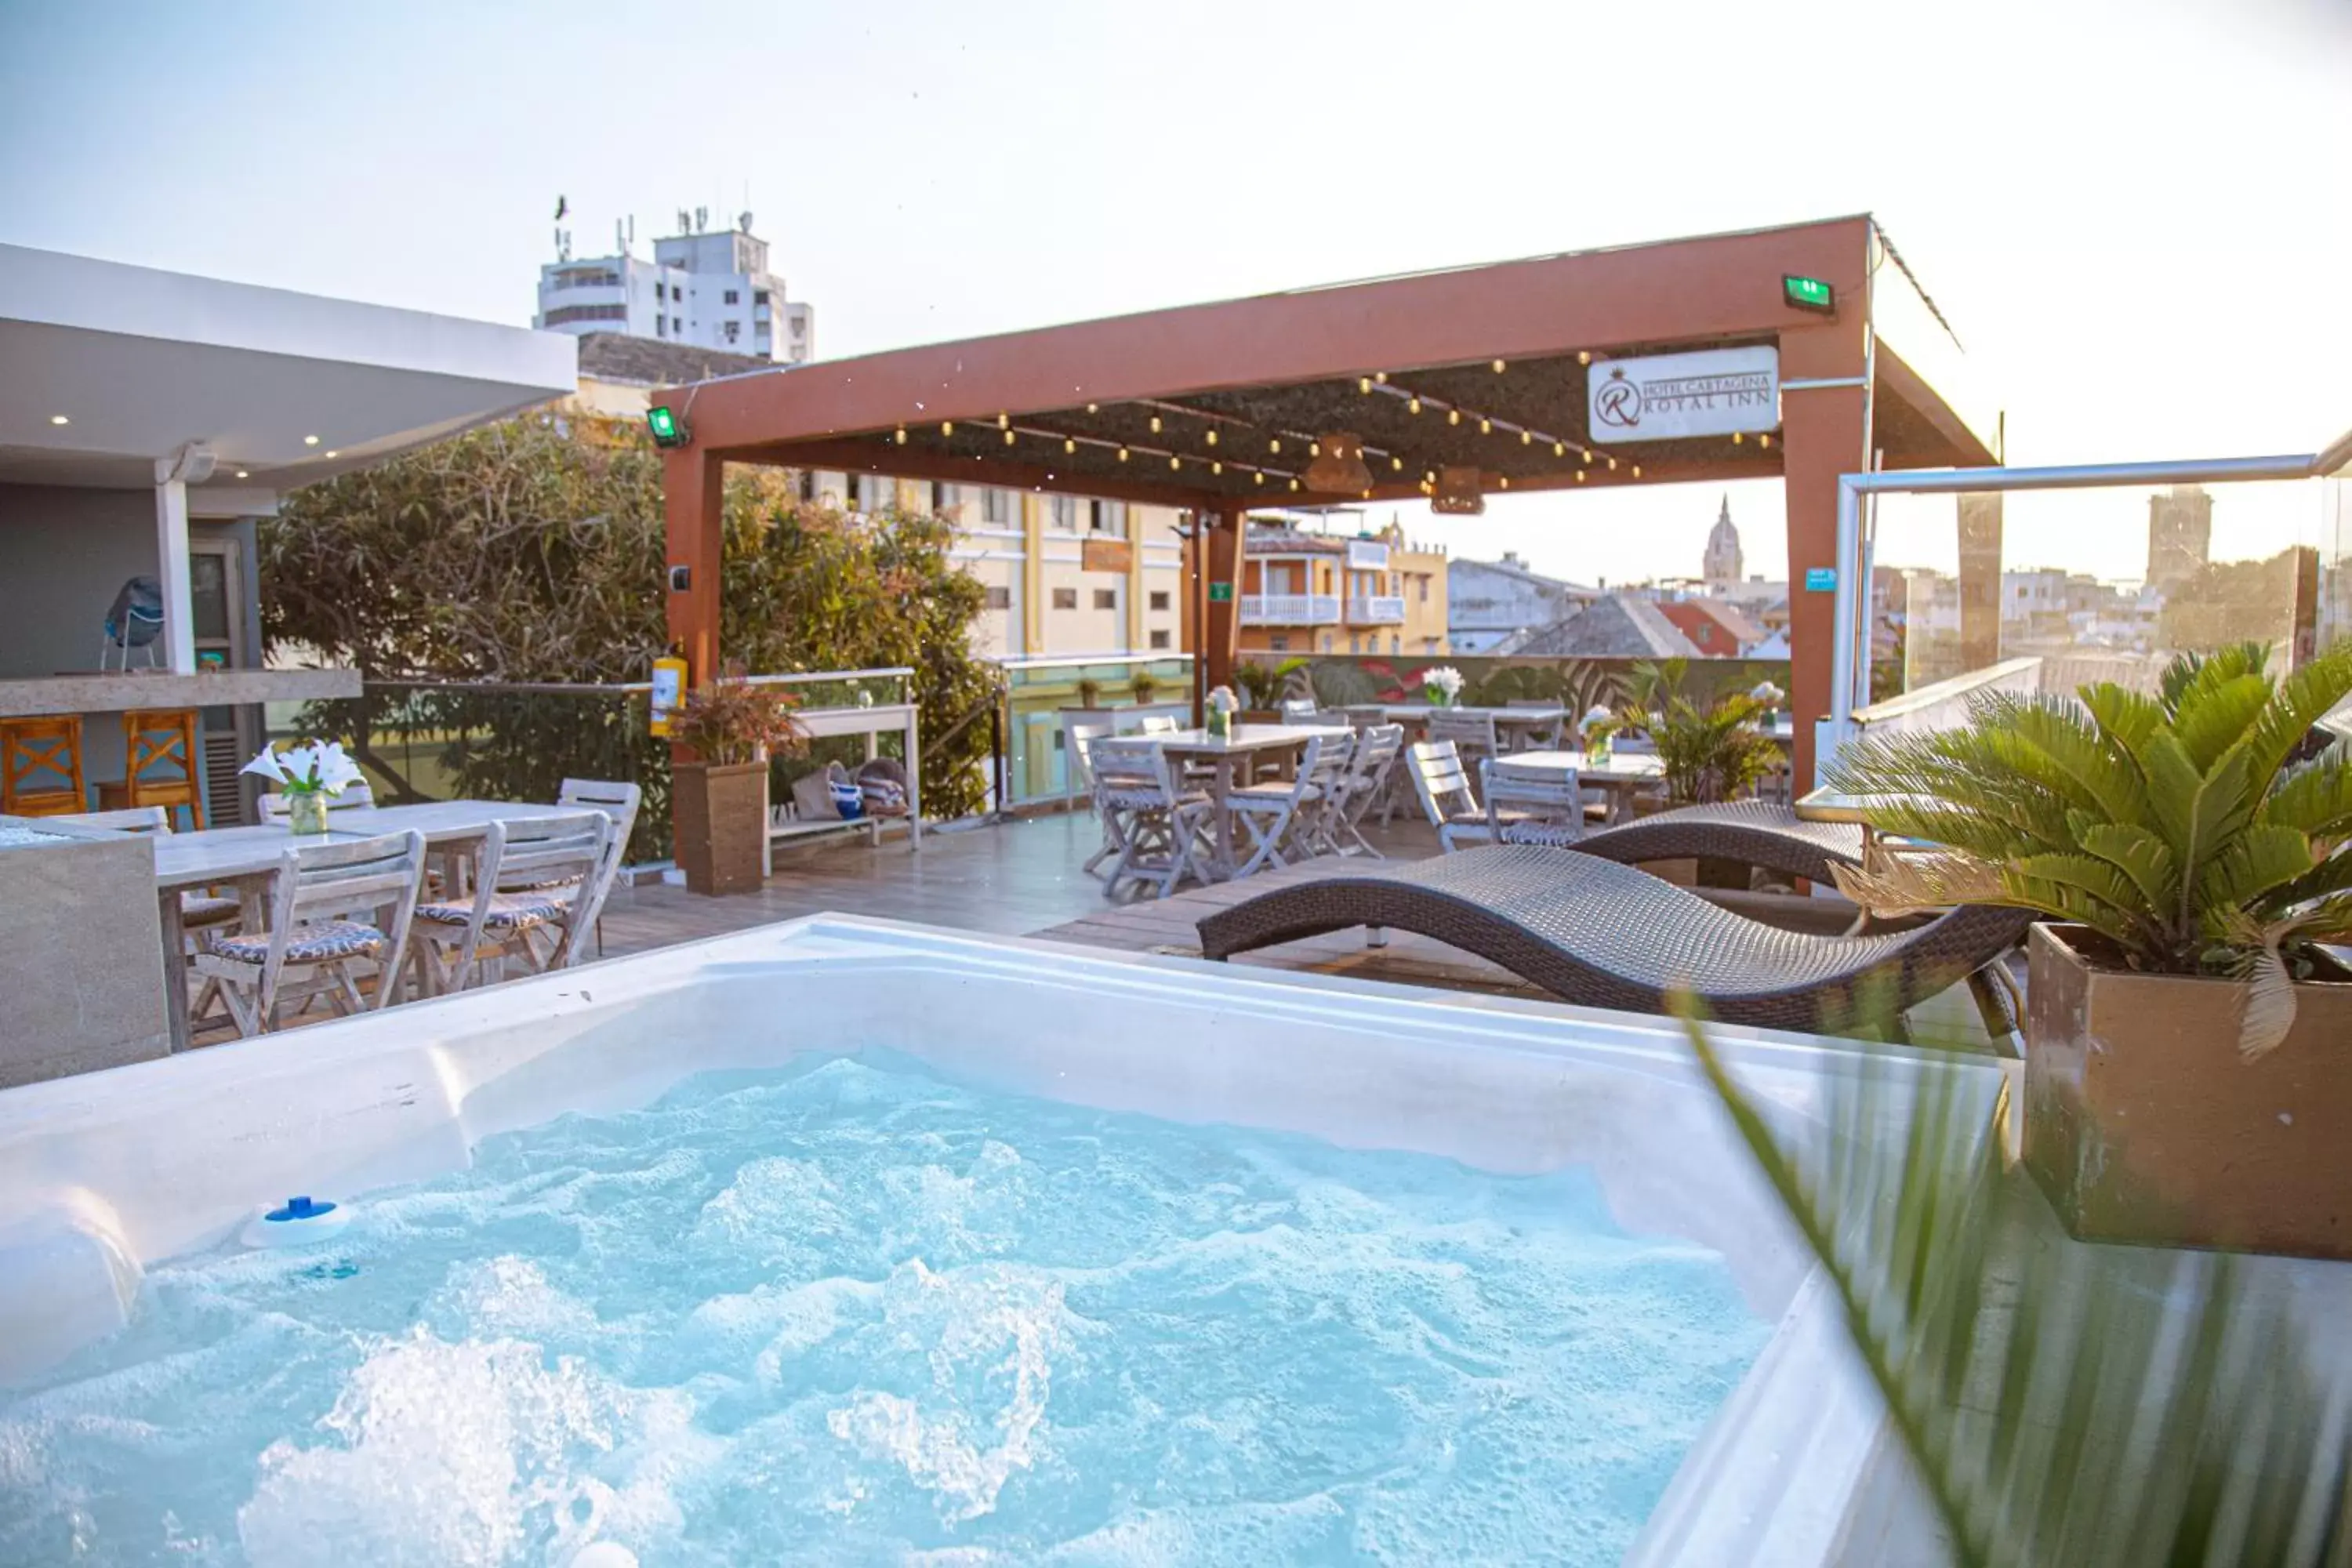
2186	1075
721	796
1710	754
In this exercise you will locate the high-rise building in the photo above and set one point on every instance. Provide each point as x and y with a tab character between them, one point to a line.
708	289
2179	534
1723	562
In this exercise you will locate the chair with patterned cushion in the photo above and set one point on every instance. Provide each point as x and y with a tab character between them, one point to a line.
535	882
1531	806
196	909
40	766
334	907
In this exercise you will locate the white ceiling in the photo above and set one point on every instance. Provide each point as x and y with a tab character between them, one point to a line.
141	362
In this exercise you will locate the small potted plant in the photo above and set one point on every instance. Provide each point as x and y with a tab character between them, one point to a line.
1441	686
1145	687
1261	686
2186	1079
308	774
732	727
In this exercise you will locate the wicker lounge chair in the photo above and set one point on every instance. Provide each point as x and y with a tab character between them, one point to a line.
1606	935
1754	832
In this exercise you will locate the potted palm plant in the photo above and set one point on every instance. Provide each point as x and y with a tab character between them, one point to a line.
721	794
1261	690
1710	753
2185	1076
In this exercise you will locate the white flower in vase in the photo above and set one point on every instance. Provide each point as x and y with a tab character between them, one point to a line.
1441	684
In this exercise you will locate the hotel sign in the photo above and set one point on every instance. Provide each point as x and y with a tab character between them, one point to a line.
1105	555
1669	397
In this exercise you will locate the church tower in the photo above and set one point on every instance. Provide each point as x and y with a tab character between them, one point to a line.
1724	564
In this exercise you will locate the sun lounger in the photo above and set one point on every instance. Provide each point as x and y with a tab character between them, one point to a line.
1752	832
1606	935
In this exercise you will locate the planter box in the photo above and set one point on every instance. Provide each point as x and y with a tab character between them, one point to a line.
722	824
2143	1124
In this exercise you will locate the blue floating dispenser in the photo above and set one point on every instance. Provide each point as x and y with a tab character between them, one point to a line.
298	1222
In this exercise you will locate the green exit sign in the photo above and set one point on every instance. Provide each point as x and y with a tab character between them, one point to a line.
1221	593
1808	293
668	429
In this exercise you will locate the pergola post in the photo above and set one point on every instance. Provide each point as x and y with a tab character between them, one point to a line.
1220	627
693	485
1825	430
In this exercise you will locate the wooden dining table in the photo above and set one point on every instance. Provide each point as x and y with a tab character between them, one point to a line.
245	858
1231	762
1625	775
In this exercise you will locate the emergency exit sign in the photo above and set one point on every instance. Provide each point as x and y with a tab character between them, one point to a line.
1221	593
1808	293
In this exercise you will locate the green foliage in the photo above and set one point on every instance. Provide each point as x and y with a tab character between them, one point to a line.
728	721
532	551
2064	1405
1710	754
2175	827
1261	684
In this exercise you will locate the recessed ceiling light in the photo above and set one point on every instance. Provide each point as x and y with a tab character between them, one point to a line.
309	440
60	419
330	454
243	474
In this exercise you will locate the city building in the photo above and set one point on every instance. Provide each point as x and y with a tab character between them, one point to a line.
1718	628
710	288
1490	602
1723	562
1305	592
619	374
1616	626
2179	534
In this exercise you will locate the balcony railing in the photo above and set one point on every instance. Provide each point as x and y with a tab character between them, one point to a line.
1290	609
1375	609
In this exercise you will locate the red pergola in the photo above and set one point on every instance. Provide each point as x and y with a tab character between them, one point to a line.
1210	409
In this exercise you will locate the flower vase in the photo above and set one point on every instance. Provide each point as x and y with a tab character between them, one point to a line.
306	811
1221	724
1597	753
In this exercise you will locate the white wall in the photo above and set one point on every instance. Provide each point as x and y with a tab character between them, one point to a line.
64	554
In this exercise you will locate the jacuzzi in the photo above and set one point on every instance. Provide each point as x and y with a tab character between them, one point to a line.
103	1176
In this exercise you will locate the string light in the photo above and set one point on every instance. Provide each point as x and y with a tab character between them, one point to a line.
1588	456
1486	426
946	427
1612	464
1580	476
902	435
1560	448
1412	405
1093	408
1274	447
1382	377
1155	425
1429	475
1217	467
1765	442
1526	437
1174	461
1294	484
1003	422
1737	439
1504	481
1212	437
1453	416
1499	367
1258	475
1637	470
1069	446
1583	357
1008	437
1397	464
1122	454
1364	386
1314	449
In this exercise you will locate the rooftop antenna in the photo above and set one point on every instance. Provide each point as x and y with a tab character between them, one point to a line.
633	228
684	221
620	237
701	219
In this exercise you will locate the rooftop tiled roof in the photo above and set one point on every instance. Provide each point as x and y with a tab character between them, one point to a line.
1616	627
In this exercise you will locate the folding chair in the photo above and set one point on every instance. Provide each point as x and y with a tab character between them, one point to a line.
314	938
532	874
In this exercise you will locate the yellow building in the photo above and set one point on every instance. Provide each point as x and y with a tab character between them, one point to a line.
1065	577
1305	592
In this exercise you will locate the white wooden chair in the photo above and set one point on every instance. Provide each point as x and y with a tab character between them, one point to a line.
1446	797
535	878
1298	710
1079	740
1156	724
1528	805
332	906
1291	814
1471	734
1367	779
197	909
620	802
1160	825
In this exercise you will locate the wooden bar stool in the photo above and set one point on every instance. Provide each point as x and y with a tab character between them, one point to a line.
158	763
40	766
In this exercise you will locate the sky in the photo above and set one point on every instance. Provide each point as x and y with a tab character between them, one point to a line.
2134	213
